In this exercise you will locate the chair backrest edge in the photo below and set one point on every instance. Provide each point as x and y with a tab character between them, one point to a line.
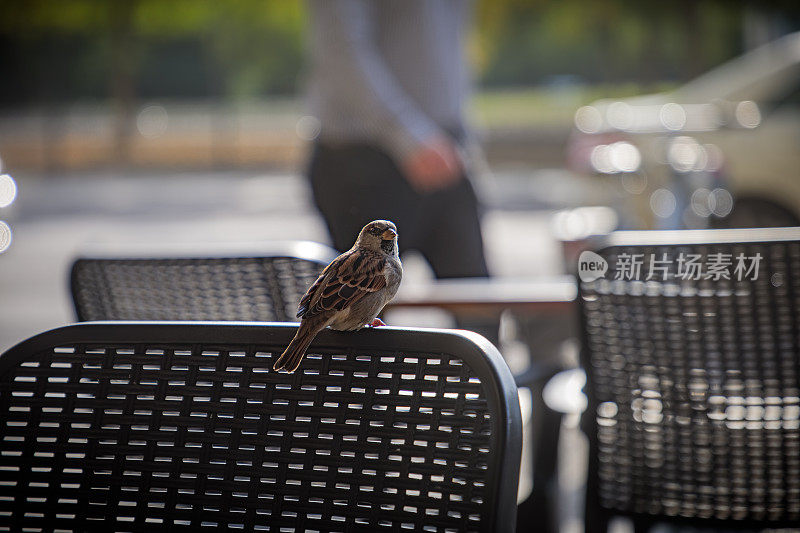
482	356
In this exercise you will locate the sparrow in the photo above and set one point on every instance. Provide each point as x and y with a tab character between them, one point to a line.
350	292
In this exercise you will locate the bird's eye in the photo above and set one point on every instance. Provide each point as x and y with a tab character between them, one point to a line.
375	230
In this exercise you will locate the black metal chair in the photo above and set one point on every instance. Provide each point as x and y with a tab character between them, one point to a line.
694	384
237	282
119	426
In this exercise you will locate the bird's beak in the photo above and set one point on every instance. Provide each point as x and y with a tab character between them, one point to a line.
388	235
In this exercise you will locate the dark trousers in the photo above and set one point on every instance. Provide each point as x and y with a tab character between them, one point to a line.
356	183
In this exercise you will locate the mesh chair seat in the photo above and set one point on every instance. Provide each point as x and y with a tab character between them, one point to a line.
694	384
257	283
170	426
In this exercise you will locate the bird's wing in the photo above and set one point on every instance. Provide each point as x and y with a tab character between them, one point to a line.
348	278
322	280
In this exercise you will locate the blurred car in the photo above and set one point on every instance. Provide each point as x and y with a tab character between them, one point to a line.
722	150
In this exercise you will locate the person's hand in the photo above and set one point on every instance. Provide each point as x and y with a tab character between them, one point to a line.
435	165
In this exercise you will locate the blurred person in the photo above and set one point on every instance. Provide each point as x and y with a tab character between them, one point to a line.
388	84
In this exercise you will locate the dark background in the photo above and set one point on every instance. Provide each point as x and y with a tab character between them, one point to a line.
63	51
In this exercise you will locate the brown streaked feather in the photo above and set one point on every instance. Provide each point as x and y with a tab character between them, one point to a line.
348	278
305	301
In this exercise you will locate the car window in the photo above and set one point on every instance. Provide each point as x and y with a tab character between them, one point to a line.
792	99
788	97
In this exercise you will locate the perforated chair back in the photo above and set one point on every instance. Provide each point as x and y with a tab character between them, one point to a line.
226	282
184	426
694	384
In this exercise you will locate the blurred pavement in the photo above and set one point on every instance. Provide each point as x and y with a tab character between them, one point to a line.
53	218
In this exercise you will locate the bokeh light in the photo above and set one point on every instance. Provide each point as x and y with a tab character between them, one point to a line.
663	203
581	222
672	116
308	127
564	392
721	202
613	158
686	154
714	157
634	182
600	159
588	119
5	236
701	199
624	156
620	115
152	121
8	190
748	115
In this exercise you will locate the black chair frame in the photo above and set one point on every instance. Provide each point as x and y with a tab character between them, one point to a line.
598	516
222	281
187	425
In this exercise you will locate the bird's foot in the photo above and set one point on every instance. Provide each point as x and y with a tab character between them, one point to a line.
376	323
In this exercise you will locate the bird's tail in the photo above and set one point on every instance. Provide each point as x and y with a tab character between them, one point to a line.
290	359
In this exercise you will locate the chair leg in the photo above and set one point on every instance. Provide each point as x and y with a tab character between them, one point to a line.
594	522
595	519
539	511
545	459
640	526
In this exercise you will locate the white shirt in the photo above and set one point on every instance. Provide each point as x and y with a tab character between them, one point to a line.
388	72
